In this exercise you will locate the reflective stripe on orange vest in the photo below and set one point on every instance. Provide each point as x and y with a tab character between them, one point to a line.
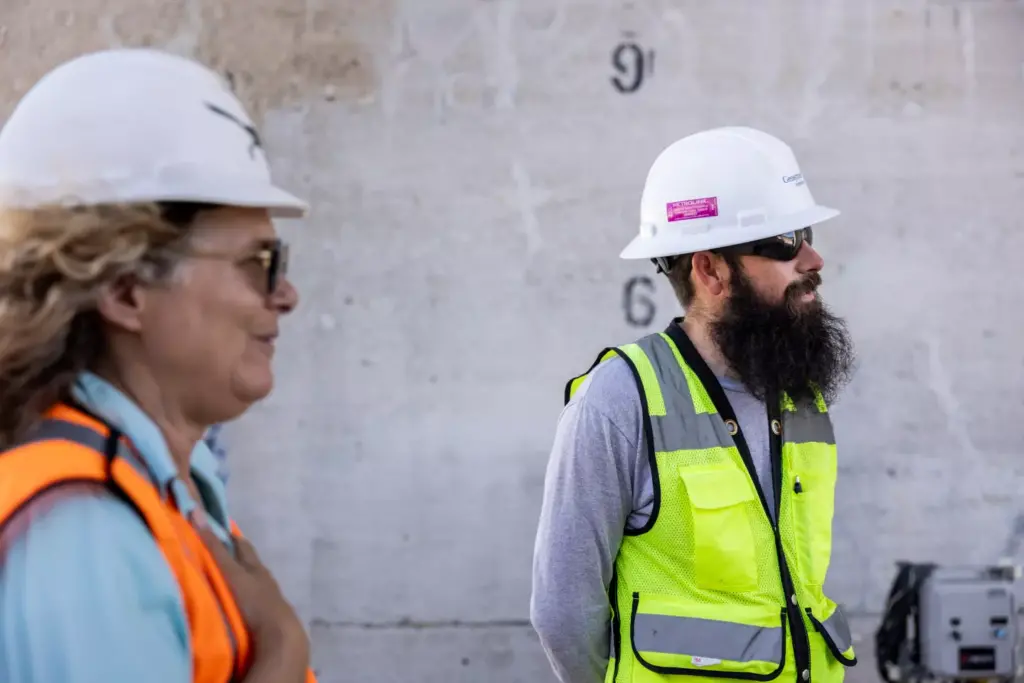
69	447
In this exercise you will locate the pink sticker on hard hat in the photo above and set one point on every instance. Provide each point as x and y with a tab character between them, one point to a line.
688	209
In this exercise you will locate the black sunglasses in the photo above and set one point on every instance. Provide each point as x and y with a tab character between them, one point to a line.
782	247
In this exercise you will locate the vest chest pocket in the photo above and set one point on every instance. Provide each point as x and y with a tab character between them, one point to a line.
724	558
812	481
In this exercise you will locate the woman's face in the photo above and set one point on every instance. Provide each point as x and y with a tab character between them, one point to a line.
209	333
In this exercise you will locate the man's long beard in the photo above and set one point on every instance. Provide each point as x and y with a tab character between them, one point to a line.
791	346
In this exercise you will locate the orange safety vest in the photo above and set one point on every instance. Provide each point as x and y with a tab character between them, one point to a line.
70	447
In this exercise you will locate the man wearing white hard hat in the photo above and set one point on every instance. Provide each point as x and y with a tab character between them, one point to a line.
686	527
142	289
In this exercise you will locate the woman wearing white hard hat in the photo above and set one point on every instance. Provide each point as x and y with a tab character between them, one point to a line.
142	285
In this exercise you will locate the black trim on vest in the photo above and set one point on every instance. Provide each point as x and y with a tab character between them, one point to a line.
648	435
801	645
652	460
568	385
798	628
111	451
613	593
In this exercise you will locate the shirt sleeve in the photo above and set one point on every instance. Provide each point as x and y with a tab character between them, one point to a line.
588	497
86	596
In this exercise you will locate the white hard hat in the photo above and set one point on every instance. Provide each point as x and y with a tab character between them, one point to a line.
722	187
135	125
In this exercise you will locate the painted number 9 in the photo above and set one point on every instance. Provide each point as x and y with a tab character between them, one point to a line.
631	65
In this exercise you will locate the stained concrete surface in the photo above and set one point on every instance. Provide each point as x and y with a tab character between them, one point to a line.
474	171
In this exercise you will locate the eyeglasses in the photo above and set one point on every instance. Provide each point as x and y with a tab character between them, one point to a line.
782	247
270	255
273	257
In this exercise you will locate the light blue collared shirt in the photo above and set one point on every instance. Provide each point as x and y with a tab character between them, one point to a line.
85	593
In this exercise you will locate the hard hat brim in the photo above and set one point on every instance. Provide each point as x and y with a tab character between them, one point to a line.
655	246
278	202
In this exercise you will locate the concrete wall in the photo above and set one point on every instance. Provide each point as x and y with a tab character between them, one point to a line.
474	170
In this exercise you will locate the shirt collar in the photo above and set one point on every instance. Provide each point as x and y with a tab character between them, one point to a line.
104	399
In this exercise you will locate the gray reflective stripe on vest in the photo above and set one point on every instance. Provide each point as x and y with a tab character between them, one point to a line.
808	425
707	638
680	428
48	430
52	429
838	629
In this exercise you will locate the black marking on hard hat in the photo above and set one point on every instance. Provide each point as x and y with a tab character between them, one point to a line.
248	128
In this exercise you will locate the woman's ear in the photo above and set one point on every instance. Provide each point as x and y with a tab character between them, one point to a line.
121	303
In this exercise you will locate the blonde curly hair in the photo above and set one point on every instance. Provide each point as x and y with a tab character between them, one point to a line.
54	261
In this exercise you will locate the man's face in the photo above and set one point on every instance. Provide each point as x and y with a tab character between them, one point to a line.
776	333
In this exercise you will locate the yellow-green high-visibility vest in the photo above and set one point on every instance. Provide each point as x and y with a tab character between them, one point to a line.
711	586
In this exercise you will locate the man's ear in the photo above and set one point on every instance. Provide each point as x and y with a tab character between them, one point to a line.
121	303
711	272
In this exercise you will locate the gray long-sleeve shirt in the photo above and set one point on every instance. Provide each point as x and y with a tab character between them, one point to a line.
598	483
